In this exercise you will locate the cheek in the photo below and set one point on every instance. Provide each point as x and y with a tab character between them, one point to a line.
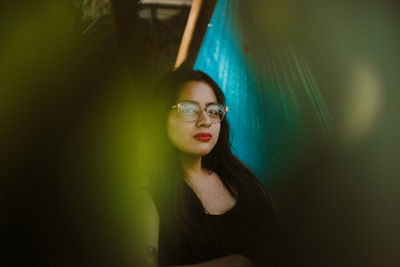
178	132
217	129
216	132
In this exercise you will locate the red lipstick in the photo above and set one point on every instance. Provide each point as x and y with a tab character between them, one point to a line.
203	137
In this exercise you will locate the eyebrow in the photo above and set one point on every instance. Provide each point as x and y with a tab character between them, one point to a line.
198	102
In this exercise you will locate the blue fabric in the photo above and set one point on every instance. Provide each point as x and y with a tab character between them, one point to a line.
268	100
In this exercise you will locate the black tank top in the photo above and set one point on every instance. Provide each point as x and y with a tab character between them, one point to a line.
241	230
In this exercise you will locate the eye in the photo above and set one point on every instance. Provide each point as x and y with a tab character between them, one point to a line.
214	111
188	109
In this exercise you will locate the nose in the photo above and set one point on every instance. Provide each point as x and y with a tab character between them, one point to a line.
203	119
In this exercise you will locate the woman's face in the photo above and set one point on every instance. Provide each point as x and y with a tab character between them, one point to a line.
185	135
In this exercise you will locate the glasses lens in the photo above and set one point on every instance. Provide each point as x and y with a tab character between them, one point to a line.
216	112
189	111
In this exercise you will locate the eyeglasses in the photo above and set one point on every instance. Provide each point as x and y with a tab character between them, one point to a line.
190	111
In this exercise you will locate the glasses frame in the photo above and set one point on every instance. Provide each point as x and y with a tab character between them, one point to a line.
177	106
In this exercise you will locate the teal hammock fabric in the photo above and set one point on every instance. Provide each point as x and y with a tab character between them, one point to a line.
274	102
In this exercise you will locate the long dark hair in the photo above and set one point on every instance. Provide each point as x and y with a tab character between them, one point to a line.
179	209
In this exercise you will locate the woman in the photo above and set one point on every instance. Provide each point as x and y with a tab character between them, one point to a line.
205	206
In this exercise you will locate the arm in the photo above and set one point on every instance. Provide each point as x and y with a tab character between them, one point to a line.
147	227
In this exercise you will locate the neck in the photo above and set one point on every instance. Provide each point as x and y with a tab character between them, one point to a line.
192	166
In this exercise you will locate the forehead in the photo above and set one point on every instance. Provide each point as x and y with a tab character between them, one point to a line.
197	91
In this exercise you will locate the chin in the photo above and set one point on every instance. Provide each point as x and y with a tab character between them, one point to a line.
199	152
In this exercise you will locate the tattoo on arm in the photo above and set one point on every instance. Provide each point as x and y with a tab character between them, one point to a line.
152	253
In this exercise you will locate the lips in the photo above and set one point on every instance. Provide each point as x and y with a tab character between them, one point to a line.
203	136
